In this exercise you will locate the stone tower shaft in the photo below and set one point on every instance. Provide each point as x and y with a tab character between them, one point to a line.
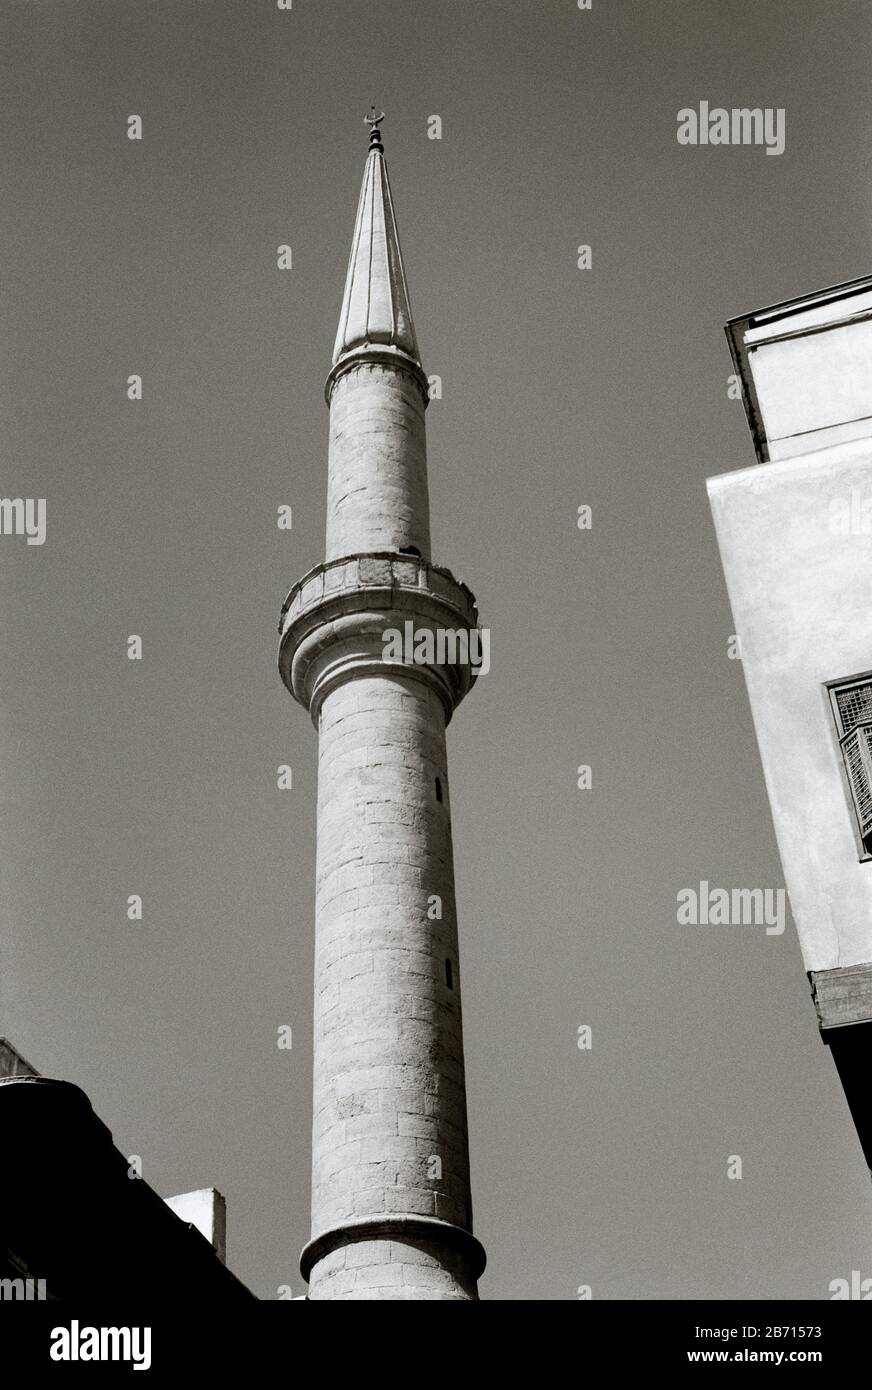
391	1204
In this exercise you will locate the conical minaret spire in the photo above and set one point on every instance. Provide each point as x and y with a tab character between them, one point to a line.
391	1204
375	306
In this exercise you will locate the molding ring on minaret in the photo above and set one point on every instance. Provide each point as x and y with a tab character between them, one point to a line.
401	1227
380	355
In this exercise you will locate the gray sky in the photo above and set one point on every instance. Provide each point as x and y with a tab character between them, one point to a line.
609	647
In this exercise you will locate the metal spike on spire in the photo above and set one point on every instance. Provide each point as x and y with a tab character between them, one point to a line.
374	121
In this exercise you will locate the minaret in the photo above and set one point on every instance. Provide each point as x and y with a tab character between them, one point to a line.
391	1206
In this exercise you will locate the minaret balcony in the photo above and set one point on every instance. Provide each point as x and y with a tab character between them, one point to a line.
342	620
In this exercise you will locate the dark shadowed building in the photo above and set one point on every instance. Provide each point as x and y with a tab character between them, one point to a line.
79	1226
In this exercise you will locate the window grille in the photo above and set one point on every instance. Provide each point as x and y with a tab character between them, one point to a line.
852	709
854	704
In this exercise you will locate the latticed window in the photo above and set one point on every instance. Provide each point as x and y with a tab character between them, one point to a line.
852	710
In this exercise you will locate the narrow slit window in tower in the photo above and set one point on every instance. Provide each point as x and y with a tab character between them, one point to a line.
449	975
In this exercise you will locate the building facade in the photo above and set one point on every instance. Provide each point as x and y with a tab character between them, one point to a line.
795	536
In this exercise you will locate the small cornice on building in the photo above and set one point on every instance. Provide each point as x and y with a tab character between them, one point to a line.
803	370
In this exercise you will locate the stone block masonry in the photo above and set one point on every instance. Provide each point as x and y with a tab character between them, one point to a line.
377	490
390	1129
